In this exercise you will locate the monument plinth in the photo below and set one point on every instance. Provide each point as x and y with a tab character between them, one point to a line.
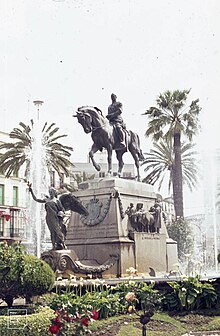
108	229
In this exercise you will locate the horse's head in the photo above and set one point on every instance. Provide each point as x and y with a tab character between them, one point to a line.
90	118
84	118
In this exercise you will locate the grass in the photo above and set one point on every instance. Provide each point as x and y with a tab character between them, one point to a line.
162	324
214	324
129	330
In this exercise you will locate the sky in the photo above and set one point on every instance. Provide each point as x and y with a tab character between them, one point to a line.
70	53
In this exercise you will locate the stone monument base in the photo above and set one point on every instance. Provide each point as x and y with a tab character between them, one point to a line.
107	230
65	263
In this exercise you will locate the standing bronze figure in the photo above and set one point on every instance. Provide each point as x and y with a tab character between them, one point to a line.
55	211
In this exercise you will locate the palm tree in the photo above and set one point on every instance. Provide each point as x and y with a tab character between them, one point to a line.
17	153
160	160
171	119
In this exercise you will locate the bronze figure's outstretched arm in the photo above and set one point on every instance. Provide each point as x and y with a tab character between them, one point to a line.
33	195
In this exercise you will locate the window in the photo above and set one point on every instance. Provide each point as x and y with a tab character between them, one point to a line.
2	194
15	196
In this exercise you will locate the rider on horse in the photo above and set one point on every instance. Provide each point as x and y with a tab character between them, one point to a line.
115	119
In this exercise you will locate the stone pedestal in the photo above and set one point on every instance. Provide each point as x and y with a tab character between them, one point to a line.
107	230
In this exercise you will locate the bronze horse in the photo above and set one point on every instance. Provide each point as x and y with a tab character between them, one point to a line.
93	121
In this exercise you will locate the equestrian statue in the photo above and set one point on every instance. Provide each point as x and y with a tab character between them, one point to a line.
110	133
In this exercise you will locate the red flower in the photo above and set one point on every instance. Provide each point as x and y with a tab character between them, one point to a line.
54	329
94	315
85	321
57	322
7	217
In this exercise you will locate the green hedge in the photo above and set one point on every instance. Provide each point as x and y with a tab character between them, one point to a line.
27	325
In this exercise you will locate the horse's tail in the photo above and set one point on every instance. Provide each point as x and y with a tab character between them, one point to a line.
136	143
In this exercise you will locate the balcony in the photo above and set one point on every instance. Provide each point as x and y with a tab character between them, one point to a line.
12	234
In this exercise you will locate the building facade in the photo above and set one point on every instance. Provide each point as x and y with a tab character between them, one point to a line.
85	170
13	192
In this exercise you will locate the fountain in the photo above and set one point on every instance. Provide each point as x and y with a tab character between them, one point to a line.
204	224
211	215
39	177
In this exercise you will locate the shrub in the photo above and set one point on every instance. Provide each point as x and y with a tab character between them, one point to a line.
148	296
27	325
13	258
106	303
38	277
189	294
26	276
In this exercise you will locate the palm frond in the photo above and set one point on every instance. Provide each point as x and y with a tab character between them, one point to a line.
49	128
160	160
56	138
170	113
16	153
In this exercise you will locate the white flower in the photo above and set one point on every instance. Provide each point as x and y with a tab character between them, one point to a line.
129	297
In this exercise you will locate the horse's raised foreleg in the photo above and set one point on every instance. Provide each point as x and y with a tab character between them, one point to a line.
119	155
93	150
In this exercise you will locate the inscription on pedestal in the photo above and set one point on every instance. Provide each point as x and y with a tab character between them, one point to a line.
99	231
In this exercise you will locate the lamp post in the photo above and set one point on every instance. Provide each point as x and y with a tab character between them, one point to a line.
38	103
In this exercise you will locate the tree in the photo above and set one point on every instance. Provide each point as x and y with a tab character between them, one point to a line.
38	277
171	119
160	160
26	276
181	232
17	153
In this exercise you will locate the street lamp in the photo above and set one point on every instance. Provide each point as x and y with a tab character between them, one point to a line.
38	103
